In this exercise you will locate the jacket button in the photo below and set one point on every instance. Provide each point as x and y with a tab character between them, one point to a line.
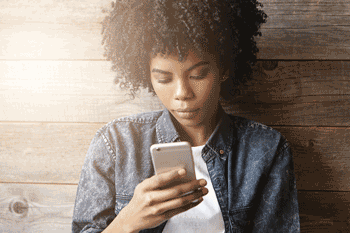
222	152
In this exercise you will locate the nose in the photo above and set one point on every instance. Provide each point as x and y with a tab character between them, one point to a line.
183	90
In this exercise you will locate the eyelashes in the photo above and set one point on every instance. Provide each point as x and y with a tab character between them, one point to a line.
161	78
198	77
167	80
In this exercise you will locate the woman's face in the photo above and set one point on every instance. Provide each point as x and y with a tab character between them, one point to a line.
189	89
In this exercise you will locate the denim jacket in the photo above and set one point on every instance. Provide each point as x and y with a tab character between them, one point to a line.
250	166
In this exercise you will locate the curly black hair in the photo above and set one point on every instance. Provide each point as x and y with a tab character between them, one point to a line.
136	30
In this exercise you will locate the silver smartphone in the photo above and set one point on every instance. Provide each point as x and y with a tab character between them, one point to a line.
169	156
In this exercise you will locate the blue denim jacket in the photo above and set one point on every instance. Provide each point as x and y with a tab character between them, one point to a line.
250	165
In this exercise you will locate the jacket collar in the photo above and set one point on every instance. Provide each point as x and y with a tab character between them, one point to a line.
220	141
166	131
222	138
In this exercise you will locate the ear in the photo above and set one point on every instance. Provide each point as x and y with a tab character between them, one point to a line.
225	76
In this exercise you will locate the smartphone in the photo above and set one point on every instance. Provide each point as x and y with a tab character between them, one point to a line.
169	156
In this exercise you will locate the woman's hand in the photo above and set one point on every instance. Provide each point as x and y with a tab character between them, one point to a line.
155	201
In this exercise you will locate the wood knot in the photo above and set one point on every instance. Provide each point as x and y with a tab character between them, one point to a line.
269	65
19	207
311	143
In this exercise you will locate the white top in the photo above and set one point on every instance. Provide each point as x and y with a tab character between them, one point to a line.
204	218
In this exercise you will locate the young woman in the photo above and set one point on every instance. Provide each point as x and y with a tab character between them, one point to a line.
190	54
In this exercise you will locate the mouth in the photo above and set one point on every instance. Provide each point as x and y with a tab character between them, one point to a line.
186	113
187	110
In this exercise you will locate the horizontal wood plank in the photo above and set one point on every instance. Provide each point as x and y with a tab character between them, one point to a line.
65	91
313	111
291	81
282	93
323	212
44	152
321	157
55	152
45	41
49	29
49	208
36	208
295	93
58	30
306	29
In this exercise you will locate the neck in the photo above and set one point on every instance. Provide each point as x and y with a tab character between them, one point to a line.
198	135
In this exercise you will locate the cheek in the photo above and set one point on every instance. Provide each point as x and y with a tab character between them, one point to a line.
207	90
202	88
156	87
163	92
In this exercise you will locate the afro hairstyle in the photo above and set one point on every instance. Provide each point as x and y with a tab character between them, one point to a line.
135	30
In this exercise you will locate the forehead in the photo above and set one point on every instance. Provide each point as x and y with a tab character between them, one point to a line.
170	60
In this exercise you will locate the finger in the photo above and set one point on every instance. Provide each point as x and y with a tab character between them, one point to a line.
179	202
153	197
179	190
161	180
160	218
182	209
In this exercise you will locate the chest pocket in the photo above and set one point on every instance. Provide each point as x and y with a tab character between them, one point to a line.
241	220
120	202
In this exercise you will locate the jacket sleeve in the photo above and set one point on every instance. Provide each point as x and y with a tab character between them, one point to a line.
278	205
95	199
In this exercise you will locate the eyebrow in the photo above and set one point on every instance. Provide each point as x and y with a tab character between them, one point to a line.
201	63
161	71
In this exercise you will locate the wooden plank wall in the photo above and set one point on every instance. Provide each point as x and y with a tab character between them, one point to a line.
57	90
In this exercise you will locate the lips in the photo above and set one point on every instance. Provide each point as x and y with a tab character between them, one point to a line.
187	110
186	113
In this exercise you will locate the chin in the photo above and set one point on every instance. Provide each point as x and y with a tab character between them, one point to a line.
189	122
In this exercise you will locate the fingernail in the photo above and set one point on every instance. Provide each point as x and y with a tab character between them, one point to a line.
182	172
203	183
198	200
205	191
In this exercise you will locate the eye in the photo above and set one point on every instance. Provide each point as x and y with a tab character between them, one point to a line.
197	77
163	80
201	74
160	78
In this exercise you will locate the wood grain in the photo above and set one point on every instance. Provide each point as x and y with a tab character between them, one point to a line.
323	212
36	208
277	81
313	111
300	29
65	91
308	93
55	152
282	93
44	152
49	208
321	157
308	101
305	29
57	30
